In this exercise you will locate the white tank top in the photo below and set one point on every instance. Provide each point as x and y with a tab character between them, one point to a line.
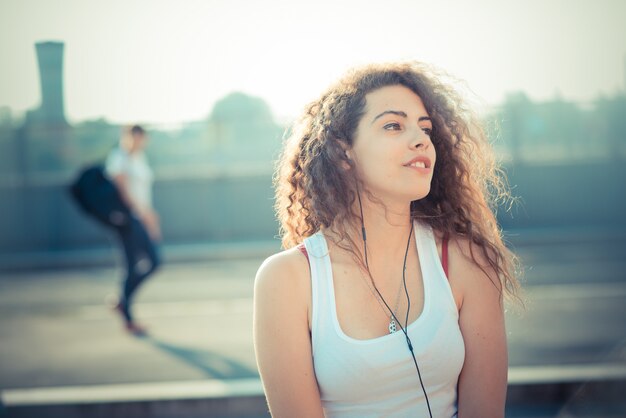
377	377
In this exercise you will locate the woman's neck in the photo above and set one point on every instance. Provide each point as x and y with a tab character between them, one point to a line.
387	229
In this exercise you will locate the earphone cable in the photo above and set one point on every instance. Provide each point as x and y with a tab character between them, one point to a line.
406	321
402	328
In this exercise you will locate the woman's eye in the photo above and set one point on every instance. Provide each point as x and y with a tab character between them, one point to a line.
427	131
392	126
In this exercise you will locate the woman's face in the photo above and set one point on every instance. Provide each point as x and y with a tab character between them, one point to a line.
392	149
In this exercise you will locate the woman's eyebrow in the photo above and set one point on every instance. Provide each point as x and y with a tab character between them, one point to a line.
399	113
393	112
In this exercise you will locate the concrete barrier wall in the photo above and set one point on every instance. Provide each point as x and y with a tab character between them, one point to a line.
595	398
225	208
574	195
42	217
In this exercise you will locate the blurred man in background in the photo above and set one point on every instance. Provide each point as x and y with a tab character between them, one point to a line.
128	167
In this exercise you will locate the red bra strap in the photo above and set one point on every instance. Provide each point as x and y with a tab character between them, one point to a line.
302	249
444	254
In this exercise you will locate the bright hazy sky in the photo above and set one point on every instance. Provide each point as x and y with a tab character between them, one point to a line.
165	61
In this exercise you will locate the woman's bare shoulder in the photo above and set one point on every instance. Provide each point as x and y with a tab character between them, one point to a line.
469	253
284	272
470	269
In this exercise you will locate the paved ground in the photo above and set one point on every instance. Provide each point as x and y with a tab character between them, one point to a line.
55	329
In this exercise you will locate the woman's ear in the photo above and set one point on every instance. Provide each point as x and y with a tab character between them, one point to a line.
346	166
347	153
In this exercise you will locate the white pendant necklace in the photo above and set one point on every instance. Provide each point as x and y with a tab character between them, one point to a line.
392	322
393	325
392	317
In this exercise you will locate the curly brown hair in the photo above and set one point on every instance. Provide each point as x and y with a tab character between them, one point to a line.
315	191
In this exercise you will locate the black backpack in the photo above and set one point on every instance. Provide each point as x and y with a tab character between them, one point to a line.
98	196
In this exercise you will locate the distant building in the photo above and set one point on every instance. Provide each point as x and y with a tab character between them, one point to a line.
52	108
44	144
5	116
244	131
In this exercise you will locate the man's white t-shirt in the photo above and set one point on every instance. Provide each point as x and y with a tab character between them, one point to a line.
138	174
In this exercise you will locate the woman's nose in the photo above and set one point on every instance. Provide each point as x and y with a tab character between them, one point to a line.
420	139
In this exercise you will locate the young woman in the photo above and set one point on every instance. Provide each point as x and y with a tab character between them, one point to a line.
389	298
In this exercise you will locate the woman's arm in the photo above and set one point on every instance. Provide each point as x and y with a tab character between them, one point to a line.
281	336
483	380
